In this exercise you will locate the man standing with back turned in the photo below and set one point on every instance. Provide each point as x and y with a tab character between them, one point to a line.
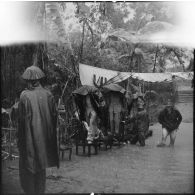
37	136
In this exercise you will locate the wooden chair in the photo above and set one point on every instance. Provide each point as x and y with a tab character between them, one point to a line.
65	143
84	144
65	148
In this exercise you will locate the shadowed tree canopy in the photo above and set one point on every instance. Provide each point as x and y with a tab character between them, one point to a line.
101	34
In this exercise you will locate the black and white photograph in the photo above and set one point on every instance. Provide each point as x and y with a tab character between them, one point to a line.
97	97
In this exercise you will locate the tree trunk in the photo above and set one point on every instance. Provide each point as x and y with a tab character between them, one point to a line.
131	60
179	59
83	35
154	68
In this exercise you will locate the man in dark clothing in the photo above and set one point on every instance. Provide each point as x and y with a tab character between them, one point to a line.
37	135
170	119
140	120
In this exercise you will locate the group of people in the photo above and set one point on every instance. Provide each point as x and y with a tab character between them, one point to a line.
37	134
170	119
139	119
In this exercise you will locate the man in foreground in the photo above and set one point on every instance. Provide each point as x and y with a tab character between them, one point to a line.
170	119
37	136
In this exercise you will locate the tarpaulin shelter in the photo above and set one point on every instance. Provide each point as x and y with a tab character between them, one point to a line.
105	75
184	75
146	80
87	79
84	90
114	87
88	73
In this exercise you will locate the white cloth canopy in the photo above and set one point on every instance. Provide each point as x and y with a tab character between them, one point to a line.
87	73
184	75
153	77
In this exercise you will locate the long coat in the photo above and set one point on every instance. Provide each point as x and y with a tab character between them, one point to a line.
37	134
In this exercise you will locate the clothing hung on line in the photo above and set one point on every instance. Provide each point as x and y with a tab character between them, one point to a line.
115	109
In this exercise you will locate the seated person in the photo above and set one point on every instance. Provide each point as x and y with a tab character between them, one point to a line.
94	132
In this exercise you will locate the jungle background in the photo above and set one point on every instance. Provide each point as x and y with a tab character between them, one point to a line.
90	33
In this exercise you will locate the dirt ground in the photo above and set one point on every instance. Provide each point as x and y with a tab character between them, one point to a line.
128	169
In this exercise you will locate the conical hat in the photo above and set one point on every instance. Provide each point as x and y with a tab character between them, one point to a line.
33	73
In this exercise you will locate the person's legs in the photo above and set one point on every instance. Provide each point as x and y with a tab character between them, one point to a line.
141	138
134	139
26	178
89	132
116	121
164	137
172	137
40	180
90	136
111	121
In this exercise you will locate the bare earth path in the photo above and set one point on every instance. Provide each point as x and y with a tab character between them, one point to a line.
128	169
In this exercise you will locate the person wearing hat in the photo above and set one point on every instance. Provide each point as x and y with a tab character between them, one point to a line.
140	120
170	119
37	135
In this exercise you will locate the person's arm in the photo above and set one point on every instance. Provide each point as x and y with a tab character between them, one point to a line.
54	112
53	109
24	121
130	119
85	125
179	118
161	118
21	124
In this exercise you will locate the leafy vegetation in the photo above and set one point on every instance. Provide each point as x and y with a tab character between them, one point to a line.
101	34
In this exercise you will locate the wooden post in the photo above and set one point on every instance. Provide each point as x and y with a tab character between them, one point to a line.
149	102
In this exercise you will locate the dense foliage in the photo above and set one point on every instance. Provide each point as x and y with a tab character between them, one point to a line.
83	32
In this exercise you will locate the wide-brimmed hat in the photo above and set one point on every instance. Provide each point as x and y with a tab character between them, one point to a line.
33	73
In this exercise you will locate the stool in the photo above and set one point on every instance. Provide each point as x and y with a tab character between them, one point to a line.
84	144
65	148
